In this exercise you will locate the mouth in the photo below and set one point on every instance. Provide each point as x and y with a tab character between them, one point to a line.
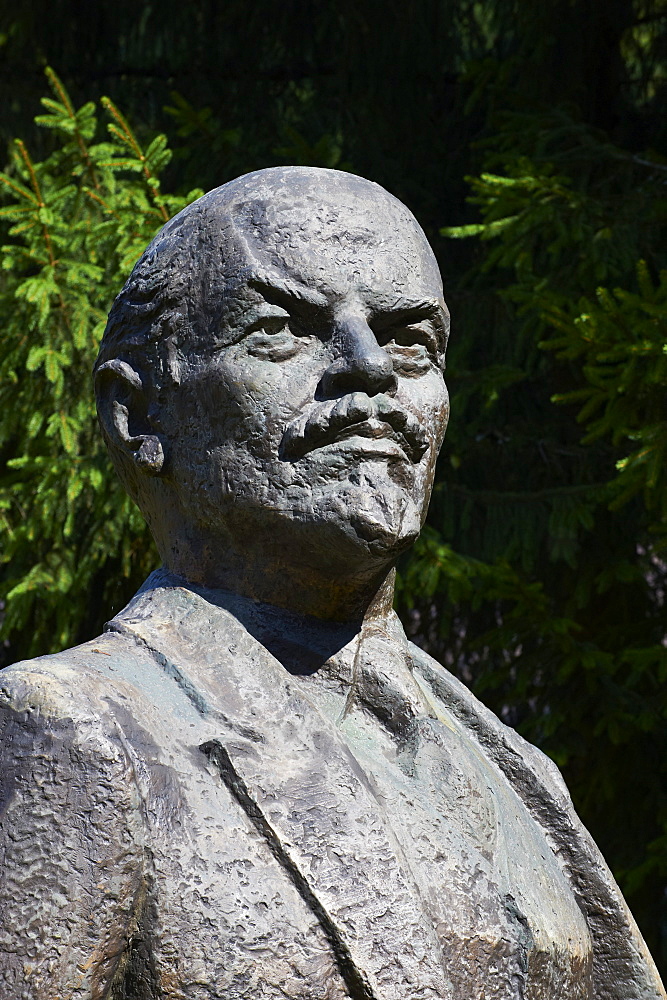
374	438
375	425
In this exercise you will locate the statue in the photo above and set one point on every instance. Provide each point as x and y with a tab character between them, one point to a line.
252	785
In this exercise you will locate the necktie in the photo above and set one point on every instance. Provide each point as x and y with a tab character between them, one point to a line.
381	681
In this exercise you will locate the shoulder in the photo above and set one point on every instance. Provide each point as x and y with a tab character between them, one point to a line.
98	724
66	776
515	755
72	690
72	829
106	711
622	965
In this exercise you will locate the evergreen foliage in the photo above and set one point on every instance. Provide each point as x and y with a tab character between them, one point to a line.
550	556
541	577
76	221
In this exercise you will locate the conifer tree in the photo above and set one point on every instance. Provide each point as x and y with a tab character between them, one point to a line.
75	223
542	578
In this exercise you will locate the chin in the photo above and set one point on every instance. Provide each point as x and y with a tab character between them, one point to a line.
378	522
361	514
386	531
365	508
381	542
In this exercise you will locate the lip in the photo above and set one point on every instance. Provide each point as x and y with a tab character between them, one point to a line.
376	426
355	441
369	437
373	436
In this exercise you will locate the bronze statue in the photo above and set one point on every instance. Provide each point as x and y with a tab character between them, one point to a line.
252	785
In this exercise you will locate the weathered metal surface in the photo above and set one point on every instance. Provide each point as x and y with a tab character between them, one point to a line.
252	785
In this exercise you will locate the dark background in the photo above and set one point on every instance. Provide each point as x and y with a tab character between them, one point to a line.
418	95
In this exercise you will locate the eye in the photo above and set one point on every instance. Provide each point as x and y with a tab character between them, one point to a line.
271	326
412	347
271	337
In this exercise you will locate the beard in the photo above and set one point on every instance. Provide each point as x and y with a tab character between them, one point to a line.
373	505
335	506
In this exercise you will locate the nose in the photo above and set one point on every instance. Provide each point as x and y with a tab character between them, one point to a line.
361	365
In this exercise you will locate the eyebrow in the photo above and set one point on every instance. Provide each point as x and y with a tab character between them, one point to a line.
425	307
417	309
285	292
281	290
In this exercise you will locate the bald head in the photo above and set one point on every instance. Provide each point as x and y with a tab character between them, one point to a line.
308	228
270	383
299	219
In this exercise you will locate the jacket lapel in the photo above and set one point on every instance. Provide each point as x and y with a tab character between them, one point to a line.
286	766
623	967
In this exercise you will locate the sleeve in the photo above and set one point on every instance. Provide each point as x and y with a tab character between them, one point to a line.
71	855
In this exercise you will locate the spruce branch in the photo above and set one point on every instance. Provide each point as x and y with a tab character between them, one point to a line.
18	188
59	90
123	132
68	248
25	156
41	204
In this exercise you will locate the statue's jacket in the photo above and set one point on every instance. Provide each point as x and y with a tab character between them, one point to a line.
183	818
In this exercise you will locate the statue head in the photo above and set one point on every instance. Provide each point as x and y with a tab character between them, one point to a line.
270	382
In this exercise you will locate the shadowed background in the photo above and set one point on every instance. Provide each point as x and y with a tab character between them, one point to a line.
534	136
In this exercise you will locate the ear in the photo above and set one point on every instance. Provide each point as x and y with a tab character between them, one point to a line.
124	412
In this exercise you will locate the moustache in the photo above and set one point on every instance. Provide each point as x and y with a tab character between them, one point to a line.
368	416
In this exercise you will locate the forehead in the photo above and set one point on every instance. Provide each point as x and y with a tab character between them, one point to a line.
372	248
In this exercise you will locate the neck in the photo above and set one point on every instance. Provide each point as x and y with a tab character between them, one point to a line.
300	588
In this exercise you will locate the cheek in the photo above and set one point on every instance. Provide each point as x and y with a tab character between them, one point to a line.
428	399
266	395
247	400
442	416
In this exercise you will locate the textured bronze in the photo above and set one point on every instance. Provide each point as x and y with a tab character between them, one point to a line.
252	786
